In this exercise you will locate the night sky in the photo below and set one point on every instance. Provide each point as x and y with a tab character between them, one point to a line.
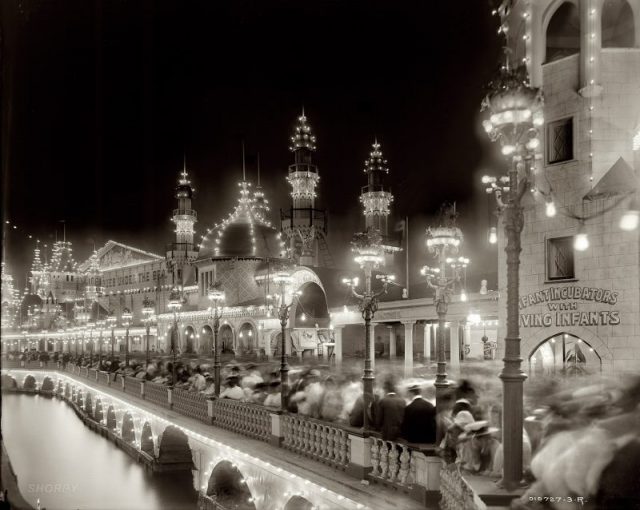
101	99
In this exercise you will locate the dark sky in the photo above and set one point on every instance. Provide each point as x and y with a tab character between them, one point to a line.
102	98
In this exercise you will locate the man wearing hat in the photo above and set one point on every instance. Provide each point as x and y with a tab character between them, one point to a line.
233	390
419	424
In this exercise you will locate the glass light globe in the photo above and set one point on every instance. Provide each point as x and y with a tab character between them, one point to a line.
630	220
581	242
550	209
493	235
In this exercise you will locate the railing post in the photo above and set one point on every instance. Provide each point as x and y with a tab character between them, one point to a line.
426	476
122	383
360	456
142	389
170	397
276	428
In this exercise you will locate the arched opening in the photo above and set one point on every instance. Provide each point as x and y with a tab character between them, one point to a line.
188	339
563	32
228	488
47	384
67	390
311	307
112	422
564	354
8	382
298	503
173	448
128	433
146	439
88	406
29	382
80	399
225	339
618	28
98	414
206	341
174	340
247	339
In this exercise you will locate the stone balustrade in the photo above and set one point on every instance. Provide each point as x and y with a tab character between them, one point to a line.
84	371
93	374
456	493
245	418
319	440
191	404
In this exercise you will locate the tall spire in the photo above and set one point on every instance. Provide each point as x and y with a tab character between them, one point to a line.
375	197
302	137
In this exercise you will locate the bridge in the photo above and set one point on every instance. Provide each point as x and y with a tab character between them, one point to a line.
278	460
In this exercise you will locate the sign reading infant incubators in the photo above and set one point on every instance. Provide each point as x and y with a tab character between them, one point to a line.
562	307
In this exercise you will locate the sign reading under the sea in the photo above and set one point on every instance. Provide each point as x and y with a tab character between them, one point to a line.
562	304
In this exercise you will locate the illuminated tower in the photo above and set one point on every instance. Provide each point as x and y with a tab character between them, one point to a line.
37	270
304	226
376	198
93	288
183	251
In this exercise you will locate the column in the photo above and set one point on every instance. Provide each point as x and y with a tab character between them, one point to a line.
392	342
454	345
337	349
408	348
467	339
426	349
372	345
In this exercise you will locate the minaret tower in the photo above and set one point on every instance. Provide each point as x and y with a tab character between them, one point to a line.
375	197
183	250
36	270
305	226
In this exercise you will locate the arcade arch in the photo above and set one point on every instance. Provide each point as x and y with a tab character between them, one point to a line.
564	353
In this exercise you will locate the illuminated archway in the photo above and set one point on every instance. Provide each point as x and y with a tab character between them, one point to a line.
112	422
47	384
98	414
564	353
563	32
88	406
173	448
128	431
247	338
67	390
225	338
146	439
298	503
8	382
310	307
229	488
29	382
188	339
206	340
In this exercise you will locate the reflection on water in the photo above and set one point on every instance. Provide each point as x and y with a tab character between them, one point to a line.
67	466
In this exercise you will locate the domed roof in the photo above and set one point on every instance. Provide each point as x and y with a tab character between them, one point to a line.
246	232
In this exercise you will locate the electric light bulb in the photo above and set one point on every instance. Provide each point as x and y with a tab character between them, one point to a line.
631	218
508	149
493	235
463	295
581	241
550	209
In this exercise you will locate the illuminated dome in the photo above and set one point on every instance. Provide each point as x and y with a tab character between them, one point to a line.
246	232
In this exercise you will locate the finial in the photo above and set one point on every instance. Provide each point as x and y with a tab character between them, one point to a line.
303	115
244	170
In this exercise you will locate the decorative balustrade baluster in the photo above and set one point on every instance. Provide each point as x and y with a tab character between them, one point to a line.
375	456
384	459
403	473
393	462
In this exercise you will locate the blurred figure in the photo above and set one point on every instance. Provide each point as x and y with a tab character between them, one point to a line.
233	390
390	412
419	424
273	398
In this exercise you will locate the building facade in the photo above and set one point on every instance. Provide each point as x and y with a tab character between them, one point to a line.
580	265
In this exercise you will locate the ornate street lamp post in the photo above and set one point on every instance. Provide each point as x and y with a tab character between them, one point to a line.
442	242
111	323
216	296
127	316
369	255
148	318
175	304
283	280
515	109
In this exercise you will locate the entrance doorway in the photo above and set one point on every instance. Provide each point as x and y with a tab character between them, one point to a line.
566	354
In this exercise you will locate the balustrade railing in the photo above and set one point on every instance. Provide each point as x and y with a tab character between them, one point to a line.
456	492
320	440
251	420
190	404
132	386
84	371
156	393
93	374
118	381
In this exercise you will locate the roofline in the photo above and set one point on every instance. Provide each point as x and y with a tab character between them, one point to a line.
111	243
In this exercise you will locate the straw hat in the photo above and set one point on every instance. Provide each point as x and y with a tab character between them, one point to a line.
477	429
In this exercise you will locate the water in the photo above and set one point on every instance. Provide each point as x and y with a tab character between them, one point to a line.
67	466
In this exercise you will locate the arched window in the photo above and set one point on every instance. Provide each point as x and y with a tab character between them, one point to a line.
563	32
618	30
